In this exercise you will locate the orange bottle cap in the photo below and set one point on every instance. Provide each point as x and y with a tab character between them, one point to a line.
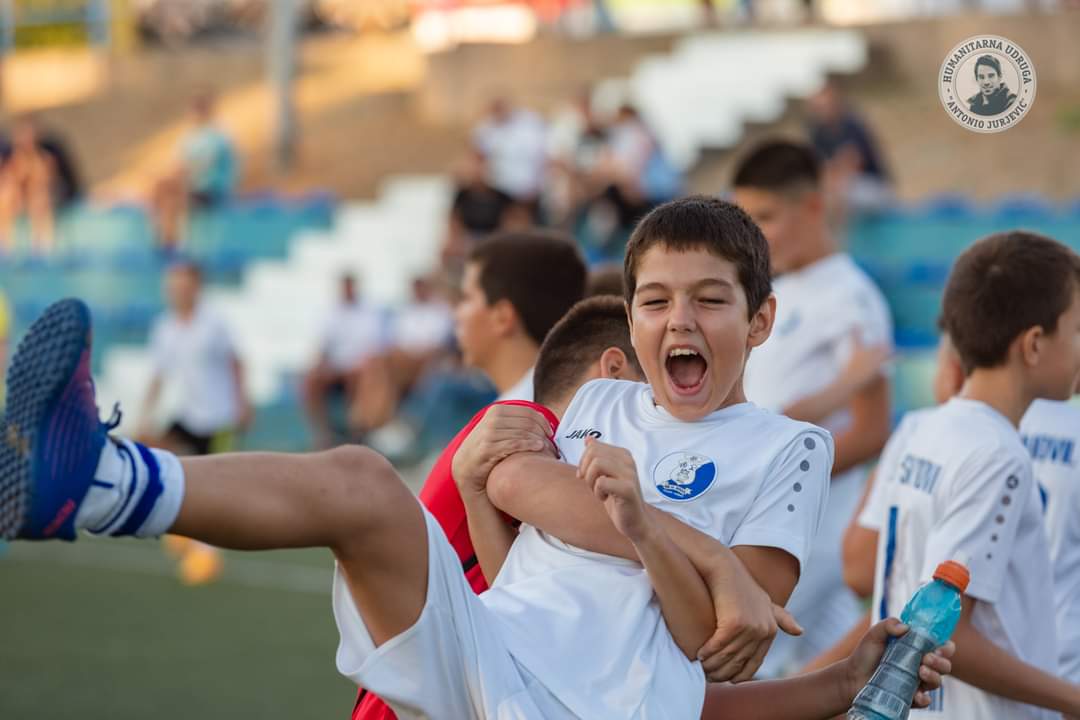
954	574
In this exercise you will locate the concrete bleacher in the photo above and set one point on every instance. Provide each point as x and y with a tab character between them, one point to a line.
700	95
277	311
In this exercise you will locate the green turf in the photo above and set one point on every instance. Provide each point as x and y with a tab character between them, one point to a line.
101	629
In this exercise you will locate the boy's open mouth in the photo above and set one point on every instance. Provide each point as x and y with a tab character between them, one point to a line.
686	367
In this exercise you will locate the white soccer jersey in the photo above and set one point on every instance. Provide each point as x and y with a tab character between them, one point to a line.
588	626
1051	431
819	311
957	485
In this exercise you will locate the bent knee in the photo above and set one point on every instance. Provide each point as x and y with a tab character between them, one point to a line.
364	483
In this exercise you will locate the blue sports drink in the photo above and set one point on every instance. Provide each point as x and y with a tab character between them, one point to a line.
931	616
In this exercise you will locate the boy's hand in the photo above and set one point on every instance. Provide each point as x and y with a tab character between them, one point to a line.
611	474
503	431
864	661
746	623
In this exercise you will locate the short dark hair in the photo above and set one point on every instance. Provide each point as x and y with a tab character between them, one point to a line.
540	272
591	327
1000	287
606	279
988	60
186	265
700	222
781	166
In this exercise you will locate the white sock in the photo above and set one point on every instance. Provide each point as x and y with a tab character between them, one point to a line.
136	491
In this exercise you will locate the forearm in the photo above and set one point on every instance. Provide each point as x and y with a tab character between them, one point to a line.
857	445
815	408
814	696
684	598
984	665
490	534
547	494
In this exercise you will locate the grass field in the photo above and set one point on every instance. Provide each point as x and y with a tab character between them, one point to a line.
102	629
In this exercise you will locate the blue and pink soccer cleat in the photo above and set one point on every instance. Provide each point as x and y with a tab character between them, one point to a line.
52	437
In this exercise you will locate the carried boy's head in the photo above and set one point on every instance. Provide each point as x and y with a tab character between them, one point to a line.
516	286
1014	297
698	292
779	184
591	341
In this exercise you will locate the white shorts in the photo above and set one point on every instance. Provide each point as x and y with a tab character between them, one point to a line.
452	663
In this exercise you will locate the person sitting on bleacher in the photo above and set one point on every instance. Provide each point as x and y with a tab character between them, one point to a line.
203	179
423	331
354	332
27	172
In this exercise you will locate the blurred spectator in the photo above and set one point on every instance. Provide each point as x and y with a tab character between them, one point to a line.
354	332
856	177
422	332
514	142
606	279
632	176
577	141
196	363
478	208
28	173
204	177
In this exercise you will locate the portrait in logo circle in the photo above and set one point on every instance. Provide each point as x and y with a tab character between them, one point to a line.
683	476
987	83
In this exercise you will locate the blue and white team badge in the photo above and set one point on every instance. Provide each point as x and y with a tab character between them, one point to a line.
684	476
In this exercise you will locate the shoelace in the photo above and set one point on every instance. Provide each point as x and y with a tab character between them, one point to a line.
114	420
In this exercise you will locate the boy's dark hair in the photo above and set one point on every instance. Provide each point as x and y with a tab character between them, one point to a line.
780	166
1000	287
990	61
539	272
699	222
577	341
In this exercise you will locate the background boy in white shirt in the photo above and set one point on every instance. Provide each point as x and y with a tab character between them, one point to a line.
411	628
1051	432
957	482
827	308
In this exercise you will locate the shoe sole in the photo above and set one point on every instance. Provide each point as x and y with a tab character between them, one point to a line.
40	371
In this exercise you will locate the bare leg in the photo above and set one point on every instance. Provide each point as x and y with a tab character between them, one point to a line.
313	394
9	210
349	499
167	201
39	208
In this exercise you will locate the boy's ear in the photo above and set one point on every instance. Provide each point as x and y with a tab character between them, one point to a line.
762	323
614	365
1030	345
504	317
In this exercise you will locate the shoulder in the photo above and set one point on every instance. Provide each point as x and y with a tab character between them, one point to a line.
786	436
1046	414
602	394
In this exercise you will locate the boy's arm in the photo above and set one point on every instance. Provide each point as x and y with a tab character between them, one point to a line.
611	475
862	367
869	428
984	665
859	549
824	693
546	493
503	431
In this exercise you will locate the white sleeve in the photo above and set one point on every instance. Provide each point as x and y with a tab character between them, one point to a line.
868	315
985	502
789	506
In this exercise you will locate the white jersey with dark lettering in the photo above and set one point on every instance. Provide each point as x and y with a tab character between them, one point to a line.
1051	431
958	485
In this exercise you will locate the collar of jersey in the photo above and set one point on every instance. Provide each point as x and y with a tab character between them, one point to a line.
656	414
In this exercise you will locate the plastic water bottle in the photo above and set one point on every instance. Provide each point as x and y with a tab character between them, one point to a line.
931	616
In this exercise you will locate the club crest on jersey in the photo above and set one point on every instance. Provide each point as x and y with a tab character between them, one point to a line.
684	476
